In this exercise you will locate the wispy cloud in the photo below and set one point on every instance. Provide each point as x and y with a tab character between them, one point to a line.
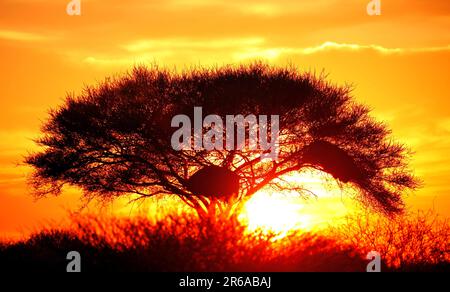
252	7
172	44
126	60
21	36
151	50
274	52
172	50
356	47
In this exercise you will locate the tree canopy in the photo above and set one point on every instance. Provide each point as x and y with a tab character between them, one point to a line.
114	138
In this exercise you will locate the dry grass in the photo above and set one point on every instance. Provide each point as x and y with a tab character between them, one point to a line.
188	244
419	241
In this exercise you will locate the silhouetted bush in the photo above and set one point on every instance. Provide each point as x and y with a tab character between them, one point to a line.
188	244
419	242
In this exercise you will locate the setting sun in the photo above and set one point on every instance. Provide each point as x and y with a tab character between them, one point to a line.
277	213
323	203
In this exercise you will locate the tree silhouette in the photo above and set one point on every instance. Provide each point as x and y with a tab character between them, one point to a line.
114	139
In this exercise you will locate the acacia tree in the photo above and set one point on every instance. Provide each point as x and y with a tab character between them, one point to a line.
114	139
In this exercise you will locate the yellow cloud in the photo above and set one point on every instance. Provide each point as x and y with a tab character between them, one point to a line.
343	46
252	7
126	61
163	44
21	36
274	52
172	50
254	53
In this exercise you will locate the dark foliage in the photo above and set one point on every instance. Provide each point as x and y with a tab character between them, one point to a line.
212	181
177	244
186	243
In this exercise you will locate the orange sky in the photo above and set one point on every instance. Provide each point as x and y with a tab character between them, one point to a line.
398	63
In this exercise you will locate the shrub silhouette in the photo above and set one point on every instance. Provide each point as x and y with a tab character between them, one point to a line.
181	243
187	243
114	138
419	242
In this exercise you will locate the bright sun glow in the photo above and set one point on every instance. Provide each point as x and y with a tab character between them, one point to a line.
271	211
283	212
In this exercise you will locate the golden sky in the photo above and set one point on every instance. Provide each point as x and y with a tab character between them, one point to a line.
398	64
